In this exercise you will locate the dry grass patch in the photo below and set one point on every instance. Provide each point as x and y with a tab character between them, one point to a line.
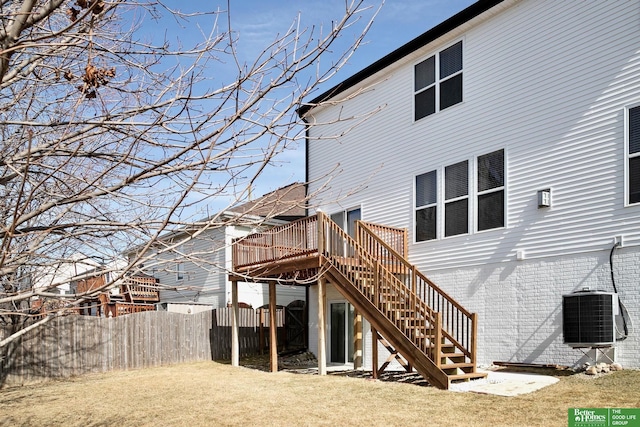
217	394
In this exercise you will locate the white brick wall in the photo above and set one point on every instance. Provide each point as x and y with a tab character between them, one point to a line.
520	304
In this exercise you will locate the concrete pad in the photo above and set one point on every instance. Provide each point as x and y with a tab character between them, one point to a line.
506	383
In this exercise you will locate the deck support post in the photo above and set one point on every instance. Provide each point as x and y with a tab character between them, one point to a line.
357	337
273	328
322	327
374	353
235	326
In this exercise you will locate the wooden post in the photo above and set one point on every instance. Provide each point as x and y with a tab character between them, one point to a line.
357	337
322	328
273	328
474	340
235	326
321	238
261	330
374	353
437	344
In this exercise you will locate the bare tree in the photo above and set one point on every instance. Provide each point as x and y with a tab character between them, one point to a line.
108	138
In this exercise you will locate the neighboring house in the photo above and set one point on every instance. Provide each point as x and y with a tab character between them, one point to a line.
88	287
57	277
193	275
506	141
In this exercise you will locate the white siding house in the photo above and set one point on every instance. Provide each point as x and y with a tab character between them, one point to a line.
193	274
466	125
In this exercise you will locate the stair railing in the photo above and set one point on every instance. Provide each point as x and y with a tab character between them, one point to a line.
459	325
398	303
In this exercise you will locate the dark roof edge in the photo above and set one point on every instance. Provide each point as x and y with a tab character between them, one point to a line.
439	30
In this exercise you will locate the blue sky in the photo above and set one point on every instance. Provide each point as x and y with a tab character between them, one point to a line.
258	22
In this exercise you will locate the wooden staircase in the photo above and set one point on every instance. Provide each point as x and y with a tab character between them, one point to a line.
383	286
432	332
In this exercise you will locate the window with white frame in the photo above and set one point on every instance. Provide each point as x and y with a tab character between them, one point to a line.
456	199
426	206
458	205
490	204
347	221
179	271
438	81
633	155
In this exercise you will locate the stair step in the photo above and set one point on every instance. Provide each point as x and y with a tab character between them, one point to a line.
454	359
451	355
457	365
467	376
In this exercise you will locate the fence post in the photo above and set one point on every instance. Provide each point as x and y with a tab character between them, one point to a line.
235	327
273	328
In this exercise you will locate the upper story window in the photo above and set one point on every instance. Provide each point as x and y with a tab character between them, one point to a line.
633	155
438	81
491	190
468	193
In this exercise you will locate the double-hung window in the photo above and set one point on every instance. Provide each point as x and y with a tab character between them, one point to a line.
426	206
438	81
456	195
491	190
469	192
633	155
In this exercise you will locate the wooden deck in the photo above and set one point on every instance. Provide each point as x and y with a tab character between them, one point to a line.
417	320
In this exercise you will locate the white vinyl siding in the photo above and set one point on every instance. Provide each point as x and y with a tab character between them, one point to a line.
544	83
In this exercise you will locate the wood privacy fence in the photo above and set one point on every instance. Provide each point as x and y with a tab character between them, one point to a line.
74	345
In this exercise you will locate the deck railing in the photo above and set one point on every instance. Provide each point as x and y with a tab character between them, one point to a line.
394	237
383	250
140	289
297	239
459	325
123	308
